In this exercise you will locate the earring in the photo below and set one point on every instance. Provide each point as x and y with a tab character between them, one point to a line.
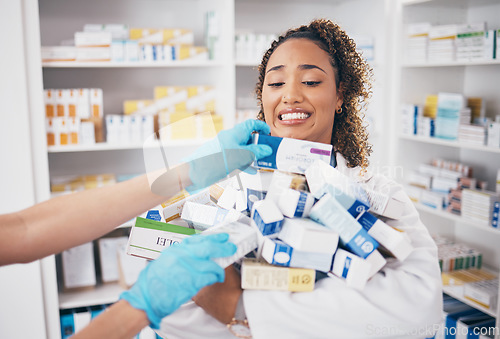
338	110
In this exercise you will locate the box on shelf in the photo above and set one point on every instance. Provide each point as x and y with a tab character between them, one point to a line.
78	267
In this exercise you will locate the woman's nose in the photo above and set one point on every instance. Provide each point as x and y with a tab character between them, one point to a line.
291	94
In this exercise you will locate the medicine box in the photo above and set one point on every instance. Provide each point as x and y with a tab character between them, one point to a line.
291	155
351	268
108	257
277	252
282	181
172	208
293	203
148	237
243	235
267	216
320	174
201	216
78	266
257	275
306	235
329	212
391	239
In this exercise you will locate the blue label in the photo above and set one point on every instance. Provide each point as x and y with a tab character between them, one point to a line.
220	215
367	220
154	215
274	143
496	212
253	196
347	265
267	229
281	247
67	324
299	211
362	244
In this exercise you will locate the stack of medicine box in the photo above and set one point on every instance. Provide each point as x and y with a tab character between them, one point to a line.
73	116
167	44
176	112
304	216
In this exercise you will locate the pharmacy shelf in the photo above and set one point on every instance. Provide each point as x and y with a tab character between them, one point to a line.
99	295
132	64
452	294
449	143
446	215
452	64
248	63
104	146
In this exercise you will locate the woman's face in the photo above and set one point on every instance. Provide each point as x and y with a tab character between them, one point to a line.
299	95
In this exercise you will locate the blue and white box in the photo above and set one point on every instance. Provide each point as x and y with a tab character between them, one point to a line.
291	155
351	268
351	204
391	239
267	216
293	203
329	212
277	252
201	217
320	174
306	235
496	212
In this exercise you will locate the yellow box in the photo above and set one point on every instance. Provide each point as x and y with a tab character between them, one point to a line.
257	275
133	106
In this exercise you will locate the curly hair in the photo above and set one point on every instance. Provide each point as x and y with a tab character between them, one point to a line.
353	79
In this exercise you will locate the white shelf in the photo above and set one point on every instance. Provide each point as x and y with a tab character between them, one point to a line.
131	64
452	294
99	295
104	146
446	215
255	63
449	143
452	63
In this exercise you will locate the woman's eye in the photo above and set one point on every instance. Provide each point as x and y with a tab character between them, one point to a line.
311	83
275	84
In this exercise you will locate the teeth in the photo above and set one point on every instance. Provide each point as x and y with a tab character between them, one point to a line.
294	116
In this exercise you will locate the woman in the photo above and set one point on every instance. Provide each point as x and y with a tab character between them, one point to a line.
312	86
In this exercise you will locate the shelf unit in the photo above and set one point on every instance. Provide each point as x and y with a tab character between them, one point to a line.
47	22
412	82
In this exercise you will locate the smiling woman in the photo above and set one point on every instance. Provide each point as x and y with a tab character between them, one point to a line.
315	70
313	86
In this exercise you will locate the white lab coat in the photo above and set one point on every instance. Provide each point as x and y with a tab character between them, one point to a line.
403	300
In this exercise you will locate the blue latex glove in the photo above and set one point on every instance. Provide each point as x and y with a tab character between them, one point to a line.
231	150
178	274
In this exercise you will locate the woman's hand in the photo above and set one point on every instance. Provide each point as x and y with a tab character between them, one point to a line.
220	299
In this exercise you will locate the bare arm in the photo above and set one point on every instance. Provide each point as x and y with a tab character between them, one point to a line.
220	299
119	321
67	221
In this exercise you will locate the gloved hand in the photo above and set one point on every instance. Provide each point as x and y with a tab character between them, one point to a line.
229	151
178	274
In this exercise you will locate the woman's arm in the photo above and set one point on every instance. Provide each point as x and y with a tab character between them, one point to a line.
70	220
117	322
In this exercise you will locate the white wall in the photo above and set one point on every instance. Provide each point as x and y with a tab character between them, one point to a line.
20	285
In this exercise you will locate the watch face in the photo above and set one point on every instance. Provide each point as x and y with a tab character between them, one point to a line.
240	329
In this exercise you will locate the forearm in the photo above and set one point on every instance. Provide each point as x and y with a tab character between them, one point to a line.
119	321
70	220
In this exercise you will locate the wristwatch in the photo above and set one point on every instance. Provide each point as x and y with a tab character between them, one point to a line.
239	324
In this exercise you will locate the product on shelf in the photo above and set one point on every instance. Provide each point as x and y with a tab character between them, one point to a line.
417	42
456	256
74	183
78	267
249	47
474	42
73	116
